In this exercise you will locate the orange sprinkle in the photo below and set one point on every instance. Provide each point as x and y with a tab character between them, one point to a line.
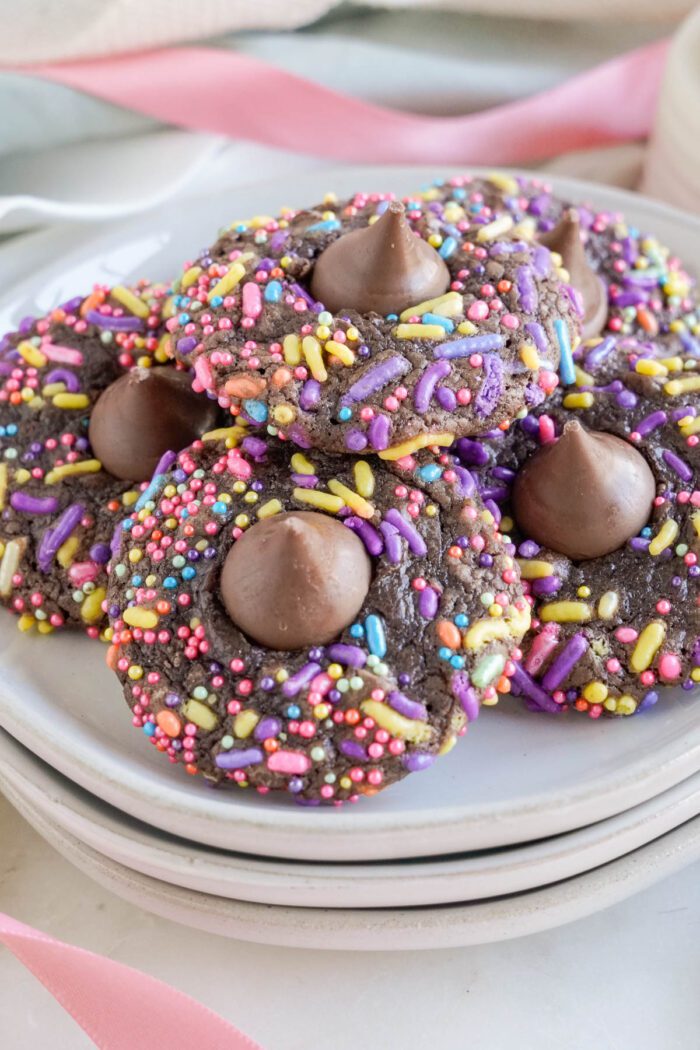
163	608
169	722
647	320
280	377
455	552
352	716
503	684
93	300
111	657
245	386
449	634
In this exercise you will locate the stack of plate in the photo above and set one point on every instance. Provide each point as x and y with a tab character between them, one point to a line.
533	821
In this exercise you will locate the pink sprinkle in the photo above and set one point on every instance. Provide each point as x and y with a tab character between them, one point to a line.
669	667
510	321
252	300
83	571
547	431
626	635
202	372
478	311
289	762
64	354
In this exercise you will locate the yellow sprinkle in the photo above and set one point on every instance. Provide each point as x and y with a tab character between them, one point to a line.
595	692
25	622
664	537
673	364
626	705
138	616
529	356
648	644
135	555
284	414
341	351
362	508
53	388
583	378
534	570
407	448
449	305
3	484
518	620
314	358
449	743
682	386
231	435
91	608
22	476
291	347
495	229
566	612
71	401
466	328
696	521
132	302
31	354
228	282
502	181
164	351
88	466
244	723
258	222
129	498
202	716
689	425
695	674
484	631
301	465
584	400
269	509
647	367
322	500
399	726
608	605
525	230
419	331
364	478
9	565
65	555
190	276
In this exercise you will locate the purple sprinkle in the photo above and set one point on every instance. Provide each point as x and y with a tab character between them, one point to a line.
681	413
546	585
428	603
305	481
239	759
116	543
187	344
464	691
638	543
649	423
54	538
301	293
367	533
678	465
446	398
629	298
542	261
267	728
539	204
407	707
467	484
563	663
416	543
392	543
114	324
537	334
376	377
353	749
473	453
348	655
526	289
626	399
62	375
299	436
171	699
278	239
417	761
647	701
523	683
310	395
495	492
690	345
71	305
379	432
355	440
491	387
100	553
297	682
503	473
597	355
26	504
493	509
472	344
164	464
255	447
423	393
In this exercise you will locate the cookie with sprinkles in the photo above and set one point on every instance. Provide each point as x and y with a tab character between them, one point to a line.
603	483
87	406
646	289
320	625
372	325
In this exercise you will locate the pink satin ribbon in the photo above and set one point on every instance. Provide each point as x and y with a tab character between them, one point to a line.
241	97
119	1008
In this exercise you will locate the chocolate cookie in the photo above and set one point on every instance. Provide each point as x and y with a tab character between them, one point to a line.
321	625
374	326
73	457
603	482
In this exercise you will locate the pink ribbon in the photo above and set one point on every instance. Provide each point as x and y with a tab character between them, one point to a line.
119	1008
241	97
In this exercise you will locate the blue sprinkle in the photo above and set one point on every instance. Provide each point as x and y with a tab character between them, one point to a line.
127	525
220	507
273	292
257	410
183	318
444	653
459	194
216	300
327	224
430	472
376	638
457	662
188	572
240	227
382	207
136	581
448	247
293	711
11	429
566	365
357	630
646	532
170	583
149	729
345	414
444	322
461	620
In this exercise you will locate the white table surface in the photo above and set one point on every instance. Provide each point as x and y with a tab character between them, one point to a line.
626	979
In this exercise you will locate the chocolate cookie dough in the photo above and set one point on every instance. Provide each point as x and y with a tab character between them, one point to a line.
372	325
608	629
320	625
59	502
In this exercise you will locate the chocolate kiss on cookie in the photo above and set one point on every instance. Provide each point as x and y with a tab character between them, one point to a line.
584	495
565	239
295	580
383	268
144	413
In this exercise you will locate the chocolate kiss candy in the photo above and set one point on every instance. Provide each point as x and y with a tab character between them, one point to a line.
565	239
295	580
382	268
584	495
144	413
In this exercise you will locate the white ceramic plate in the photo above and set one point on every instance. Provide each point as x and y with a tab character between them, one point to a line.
520	777
388	929
235	876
